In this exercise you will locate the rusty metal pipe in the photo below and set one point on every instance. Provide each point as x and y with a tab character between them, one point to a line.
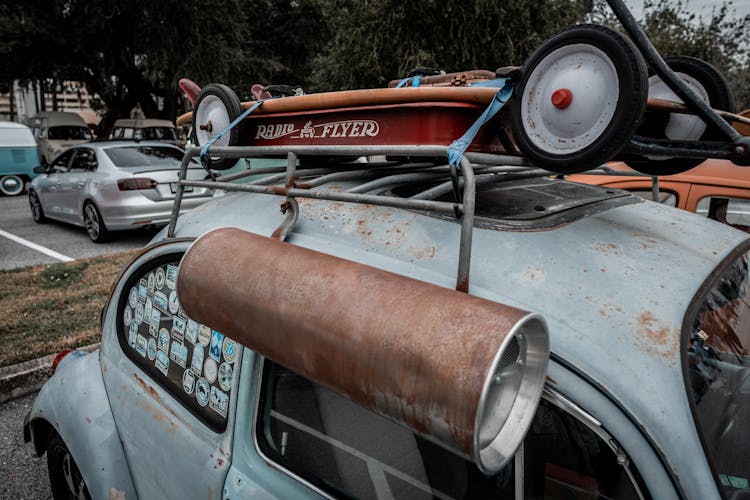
453	367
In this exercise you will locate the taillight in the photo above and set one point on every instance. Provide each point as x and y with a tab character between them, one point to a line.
57	360
135	183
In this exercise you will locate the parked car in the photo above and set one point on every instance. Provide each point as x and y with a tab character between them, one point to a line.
715	188
19	159
56	131
146	129
645	390
113	186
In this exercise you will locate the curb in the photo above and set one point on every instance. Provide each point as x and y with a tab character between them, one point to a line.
27	377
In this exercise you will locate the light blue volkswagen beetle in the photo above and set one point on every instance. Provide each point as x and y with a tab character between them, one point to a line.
601	351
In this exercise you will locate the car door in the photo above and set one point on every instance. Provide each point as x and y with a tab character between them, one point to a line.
82	172
51	184
170	393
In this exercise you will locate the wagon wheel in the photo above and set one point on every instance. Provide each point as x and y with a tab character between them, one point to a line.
711	86
215	108
580	99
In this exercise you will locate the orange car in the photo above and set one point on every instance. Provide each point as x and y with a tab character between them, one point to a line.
716	188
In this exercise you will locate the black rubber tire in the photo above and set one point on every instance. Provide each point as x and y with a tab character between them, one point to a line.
94	224
14	187
632	94
37	213
719	97
63	471
232	104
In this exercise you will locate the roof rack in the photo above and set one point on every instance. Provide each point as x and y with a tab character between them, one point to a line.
429	165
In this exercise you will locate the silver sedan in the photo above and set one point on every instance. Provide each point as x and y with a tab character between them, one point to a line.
113	186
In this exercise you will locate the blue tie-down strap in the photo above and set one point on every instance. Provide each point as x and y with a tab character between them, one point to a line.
458	147
416	81
205	159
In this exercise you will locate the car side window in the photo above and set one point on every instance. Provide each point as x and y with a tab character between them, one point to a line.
346	450
668	198
732	211
62	162
84	161
190	360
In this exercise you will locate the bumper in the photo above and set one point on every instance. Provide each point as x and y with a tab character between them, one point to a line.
138	212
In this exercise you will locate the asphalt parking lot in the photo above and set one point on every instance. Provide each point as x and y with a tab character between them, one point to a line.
24	242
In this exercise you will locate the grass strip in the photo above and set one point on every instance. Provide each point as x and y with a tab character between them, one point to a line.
47	308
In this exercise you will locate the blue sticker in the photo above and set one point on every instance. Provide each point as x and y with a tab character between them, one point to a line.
164	340
178	328
218	401
202	391
132	334
174	303
147	310
188	381
171	280
133	297
142	289
151	349
139	313
162	362
159	278
191	331
140	345
161	302
229	350
216	343
225	376
197	363
178	353
127	316
153	324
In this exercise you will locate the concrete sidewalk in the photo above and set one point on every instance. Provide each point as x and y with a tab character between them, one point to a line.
29	376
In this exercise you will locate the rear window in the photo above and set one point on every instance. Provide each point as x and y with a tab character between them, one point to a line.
162	157
69	133
158	134
718	374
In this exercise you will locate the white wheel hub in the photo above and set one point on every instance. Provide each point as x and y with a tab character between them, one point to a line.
679	127
211	118
587	77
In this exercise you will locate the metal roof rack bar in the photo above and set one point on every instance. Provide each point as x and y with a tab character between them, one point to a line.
394	173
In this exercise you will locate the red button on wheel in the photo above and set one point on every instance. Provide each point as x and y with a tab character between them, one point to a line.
561	98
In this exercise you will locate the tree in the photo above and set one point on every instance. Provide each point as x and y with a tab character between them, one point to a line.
379	40
132	53
719	38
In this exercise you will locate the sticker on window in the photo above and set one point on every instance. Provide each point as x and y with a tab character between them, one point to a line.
216	343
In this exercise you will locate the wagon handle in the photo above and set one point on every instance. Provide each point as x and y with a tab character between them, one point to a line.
654	59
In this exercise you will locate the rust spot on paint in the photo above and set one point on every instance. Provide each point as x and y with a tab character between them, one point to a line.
550	380
88	420
105	367
656	337
608	249
115	494
150	390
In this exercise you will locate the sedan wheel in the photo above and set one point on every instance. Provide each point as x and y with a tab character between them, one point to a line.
65	478
36	208
11	185
94	224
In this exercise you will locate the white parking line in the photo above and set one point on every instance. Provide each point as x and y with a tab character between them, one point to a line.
38	248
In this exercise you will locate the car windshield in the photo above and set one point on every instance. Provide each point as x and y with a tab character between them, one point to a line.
69	133
159	134
718	370
161	157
